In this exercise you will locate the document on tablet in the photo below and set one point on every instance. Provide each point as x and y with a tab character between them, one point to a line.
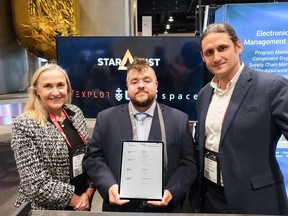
141	173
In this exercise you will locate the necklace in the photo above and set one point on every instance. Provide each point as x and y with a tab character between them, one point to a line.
62	123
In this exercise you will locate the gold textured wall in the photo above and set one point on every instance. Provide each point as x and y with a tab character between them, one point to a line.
97	18
37	23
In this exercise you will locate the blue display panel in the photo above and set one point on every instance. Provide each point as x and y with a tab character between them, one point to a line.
97	69
263	31
282	157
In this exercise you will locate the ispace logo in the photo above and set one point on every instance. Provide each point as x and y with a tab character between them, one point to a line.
126	59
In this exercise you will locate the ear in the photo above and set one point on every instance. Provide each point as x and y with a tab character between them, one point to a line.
202	56
157	84
239	46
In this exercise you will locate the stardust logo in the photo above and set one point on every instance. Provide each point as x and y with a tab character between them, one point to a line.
120	63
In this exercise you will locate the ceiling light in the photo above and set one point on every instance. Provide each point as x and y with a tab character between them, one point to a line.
167	26
170	19
165	32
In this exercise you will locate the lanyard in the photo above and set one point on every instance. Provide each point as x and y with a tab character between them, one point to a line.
162	129
60	130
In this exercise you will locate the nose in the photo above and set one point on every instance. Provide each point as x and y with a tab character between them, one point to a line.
141	84
55	91
217	56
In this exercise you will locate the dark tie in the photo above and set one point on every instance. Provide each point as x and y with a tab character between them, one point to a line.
140	117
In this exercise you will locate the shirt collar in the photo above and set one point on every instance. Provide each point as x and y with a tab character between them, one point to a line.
149	111
231	83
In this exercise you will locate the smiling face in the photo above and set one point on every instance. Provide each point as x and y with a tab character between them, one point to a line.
142	87
221	55
52	89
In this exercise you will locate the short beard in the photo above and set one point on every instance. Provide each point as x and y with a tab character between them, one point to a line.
145	103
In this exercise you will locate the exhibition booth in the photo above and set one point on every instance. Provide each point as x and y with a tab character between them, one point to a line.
97	69
97	65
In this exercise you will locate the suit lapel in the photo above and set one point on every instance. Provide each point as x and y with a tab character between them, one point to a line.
155	133
204	105
242	86
124	119
207	95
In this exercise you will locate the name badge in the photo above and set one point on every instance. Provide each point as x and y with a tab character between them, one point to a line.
212	168
76	159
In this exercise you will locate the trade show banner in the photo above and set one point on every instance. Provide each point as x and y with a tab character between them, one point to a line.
263	31
97	68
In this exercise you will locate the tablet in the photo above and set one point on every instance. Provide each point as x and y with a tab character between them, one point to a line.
141	170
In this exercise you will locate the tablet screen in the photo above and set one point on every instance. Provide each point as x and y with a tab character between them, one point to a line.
141	173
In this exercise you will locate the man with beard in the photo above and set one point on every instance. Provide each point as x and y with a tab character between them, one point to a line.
162	123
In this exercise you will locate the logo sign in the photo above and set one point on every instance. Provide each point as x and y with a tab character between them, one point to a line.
97	68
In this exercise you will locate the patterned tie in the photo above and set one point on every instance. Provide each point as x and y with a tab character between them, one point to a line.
140	117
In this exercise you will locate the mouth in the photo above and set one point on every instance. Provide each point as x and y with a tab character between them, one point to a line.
56	100
218	65
141	93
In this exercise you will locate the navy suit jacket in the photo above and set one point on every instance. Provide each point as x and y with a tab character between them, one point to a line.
113	125
255	118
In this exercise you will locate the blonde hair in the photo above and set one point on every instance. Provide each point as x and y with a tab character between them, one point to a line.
34	107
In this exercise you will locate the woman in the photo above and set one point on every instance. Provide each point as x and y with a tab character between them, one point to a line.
49	141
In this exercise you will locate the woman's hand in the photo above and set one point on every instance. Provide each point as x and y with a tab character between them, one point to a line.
83	203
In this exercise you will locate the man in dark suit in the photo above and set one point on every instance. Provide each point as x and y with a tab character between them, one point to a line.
113	125
241	116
